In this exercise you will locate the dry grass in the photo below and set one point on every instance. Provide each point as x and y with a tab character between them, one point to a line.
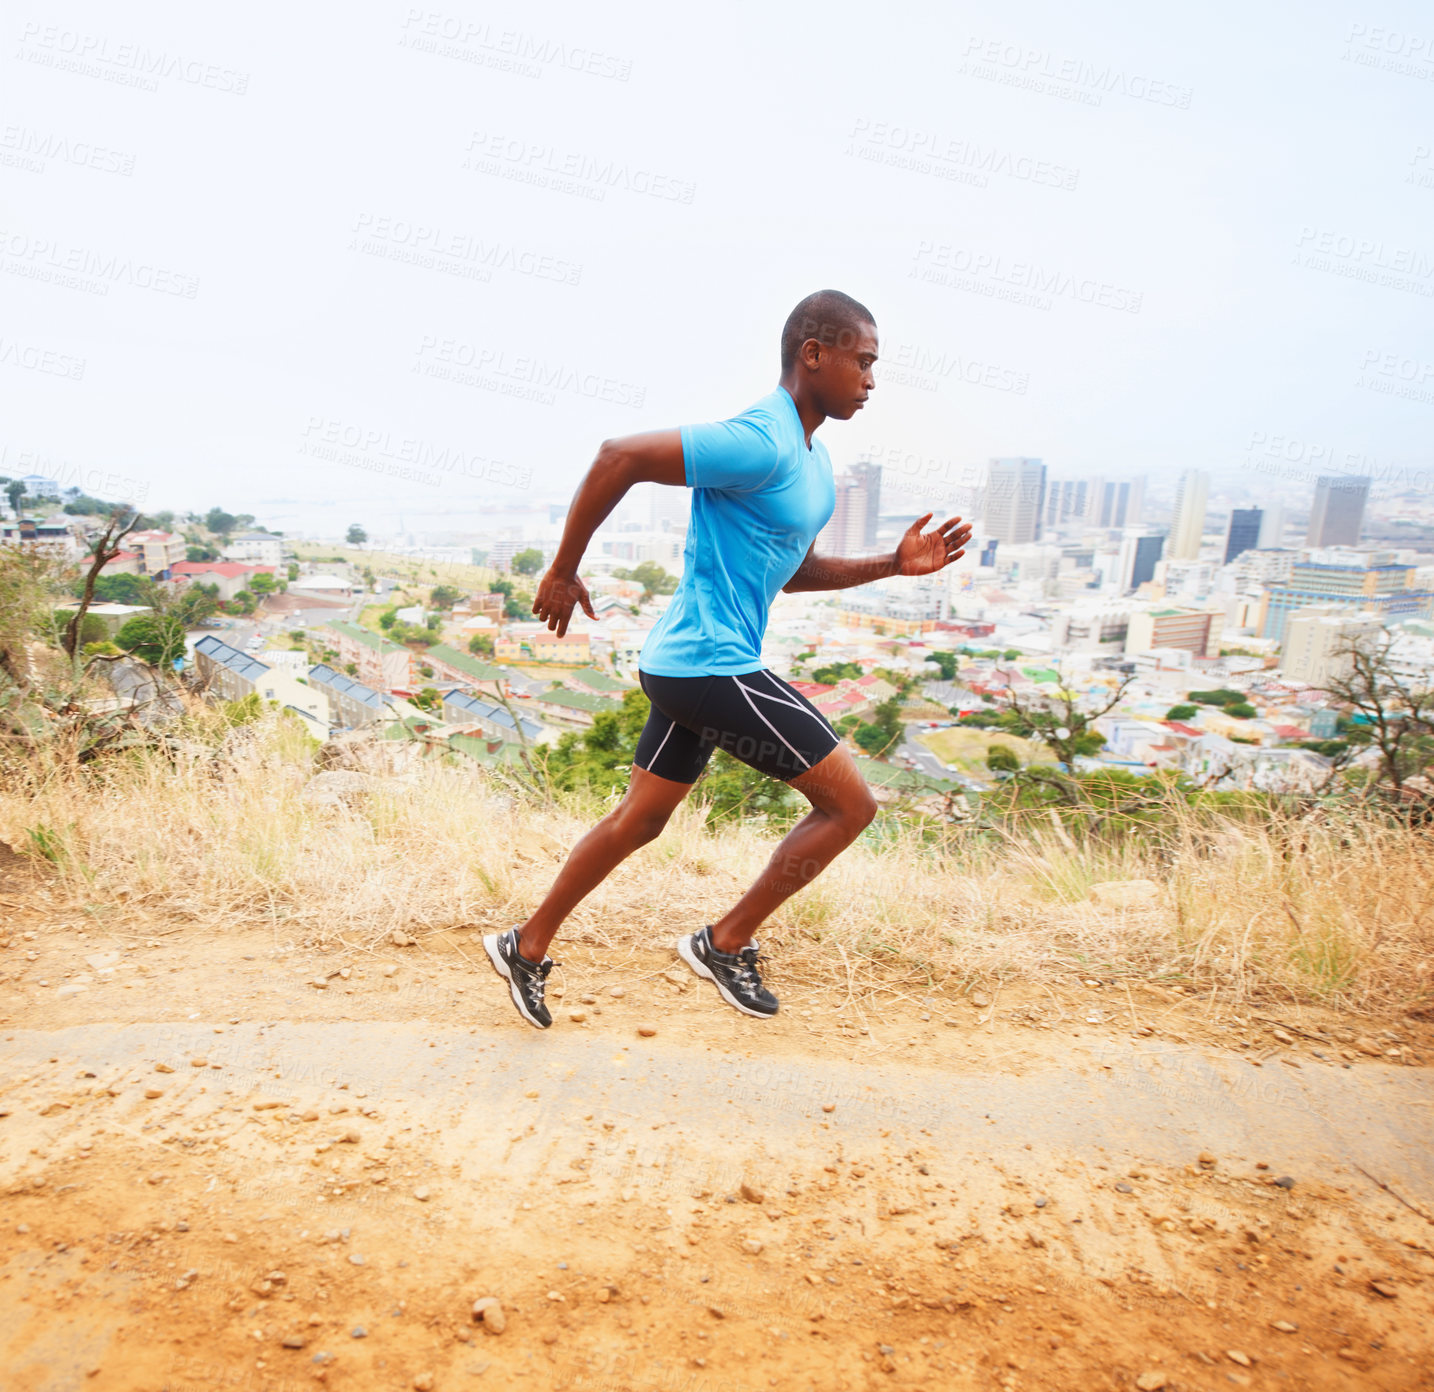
227	837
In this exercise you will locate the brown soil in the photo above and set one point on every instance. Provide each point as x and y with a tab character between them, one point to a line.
939	1194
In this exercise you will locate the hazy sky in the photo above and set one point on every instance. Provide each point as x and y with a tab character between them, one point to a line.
273	256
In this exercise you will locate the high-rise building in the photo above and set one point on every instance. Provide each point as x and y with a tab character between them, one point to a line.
844	532
1243	533
868	475
1121	502
1139	554
1193	630
1068	501
1338	510
1318	640
1188	524
1345	581
1015	500
1272	526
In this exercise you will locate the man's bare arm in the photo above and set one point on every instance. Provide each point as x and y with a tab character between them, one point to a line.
652	457
839	572
915	554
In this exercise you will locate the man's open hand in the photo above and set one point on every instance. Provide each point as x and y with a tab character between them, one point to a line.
921	555
558	592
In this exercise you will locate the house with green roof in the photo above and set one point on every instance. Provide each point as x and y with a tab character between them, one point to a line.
576	707
381	663
451	665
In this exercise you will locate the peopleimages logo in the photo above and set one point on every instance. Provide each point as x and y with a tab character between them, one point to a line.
462	254
952	157
565	171
518	374
1073	79
1020	282
132	64
509	50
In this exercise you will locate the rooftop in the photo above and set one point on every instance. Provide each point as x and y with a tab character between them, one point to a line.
325	675
250	668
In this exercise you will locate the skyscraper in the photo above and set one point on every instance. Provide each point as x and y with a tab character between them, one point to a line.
1015	500
1338	511
1272	526
1119	502
1244	532
1188	524
1139	553
868	476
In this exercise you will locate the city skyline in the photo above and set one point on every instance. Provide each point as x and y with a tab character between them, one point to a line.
1204	259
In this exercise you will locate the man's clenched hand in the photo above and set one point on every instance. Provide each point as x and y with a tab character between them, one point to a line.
558	592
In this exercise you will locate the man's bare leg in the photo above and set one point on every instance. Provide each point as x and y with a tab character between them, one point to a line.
842	805
636	820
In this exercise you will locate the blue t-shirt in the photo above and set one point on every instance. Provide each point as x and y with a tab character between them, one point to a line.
759	498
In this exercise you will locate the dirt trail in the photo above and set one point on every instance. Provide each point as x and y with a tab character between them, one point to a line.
937	1195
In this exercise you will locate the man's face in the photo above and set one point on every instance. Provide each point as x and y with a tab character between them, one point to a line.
843	378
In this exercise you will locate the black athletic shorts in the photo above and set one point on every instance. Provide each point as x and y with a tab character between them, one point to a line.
755	716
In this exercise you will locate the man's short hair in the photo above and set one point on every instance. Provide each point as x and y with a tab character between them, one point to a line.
833	319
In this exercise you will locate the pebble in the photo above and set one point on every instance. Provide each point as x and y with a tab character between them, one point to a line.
357	1260
980	1000
293	1341
1235	1356
421	1194
1365	1045
1284	1326
751	1194
163	1068
1206	1158
152	1093
199	1063
1151	1382
358	1332
1384	1288
752	1247
617	992
1285	1182
828	1106
717	1312
577	1016
647	1031
423	1382
489	1310
1123	1188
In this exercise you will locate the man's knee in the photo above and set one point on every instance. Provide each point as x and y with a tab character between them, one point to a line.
641	824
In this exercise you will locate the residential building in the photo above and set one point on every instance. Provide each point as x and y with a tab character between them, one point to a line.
325	586
1090	630
233	675
1317	641
577	707
228	576
158	551
381	663
352	705
56	539
451	665
1347	580
464	708
115	616
1187	527
258	548
1243	533
1188	630
38	486
1015	500
1337	514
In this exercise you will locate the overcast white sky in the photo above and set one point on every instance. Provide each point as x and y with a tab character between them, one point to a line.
1243	195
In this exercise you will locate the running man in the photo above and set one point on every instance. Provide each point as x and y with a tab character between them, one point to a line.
761	491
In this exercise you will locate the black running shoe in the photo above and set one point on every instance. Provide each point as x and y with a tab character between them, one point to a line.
734	975
526	980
